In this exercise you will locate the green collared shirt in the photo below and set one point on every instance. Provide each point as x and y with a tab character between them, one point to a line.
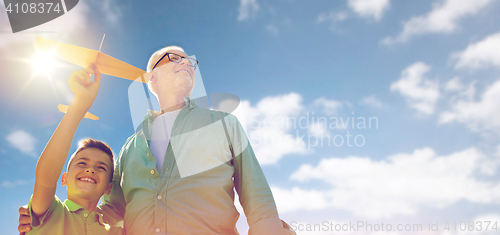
194	191
71	218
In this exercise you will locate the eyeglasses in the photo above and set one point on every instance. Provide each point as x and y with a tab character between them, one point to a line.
177	59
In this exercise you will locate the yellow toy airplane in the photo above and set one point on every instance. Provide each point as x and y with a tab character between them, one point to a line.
84	57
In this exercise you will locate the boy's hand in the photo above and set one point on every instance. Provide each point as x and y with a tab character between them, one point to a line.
84	90
24	220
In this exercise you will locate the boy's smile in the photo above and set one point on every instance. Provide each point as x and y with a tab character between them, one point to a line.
87	179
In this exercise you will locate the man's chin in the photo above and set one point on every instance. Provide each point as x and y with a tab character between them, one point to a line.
181	86
184	84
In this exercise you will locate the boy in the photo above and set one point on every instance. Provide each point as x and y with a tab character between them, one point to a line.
88	177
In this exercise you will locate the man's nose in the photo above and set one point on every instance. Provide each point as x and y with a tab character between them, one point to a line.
185	61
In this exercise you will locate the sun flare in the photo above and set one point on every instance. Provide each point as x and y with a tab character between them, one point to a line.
43	63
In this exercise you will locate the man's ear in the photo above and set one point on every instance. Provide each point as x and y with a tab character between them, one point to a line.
108	189
64	178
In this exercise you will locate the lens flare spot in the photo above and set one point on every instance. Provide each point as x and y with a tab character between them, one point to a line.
43	63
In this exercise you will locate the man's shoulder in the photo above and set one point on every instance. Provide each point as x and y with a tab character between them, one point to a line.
133	137
129	143
216	113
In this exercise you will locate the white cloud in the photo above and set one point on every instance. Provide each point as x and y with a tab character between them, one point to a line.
299	199
481	54
272	29
483	230
15	183
369	8
420	92
364	8
318	129
112	10
248	9
330	107
477	115
279	125
333	17
269	127
22	141
398	185
454	84
465	92
443	18
372	101
282	105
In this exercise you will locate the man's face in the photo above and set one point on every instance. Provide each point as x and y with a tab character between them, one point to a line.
169	76
89	174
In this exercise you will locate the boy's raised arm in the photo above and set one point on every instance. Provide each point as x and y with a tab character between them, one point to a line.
51	162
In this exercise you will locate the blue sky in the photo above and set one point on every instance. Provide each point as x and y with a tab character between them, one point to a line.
426	71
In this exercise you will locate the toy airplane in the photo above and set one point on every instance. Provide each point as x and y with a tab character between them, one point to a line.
84	57
64	108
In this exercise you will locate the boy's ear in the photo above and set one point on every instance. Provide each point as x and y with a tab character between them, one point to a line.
64	178
108	189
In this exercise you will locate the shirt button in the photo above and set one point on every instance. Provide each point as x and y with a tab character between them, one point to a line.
152	172
159	197
148	154
158	230
166	170
85	215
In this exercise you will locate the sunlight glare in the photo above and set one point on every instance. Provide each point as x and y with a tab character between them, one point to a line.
43	63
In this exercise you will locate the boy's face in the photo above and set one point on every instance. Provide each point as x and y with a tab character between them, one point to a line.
89	174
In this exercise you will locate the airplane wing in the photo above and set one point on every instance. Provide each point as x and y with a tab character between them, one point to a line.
64	108
84	57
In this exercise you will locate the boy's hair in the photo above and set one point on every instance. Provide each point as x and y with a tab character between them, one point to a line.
91	143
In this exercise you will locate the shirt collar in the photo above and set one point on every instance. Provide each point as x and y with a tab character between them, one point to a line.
152	114
190	103
73	207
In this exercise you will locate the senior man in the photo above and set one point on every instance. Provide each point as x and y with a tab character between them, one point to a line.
178	172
